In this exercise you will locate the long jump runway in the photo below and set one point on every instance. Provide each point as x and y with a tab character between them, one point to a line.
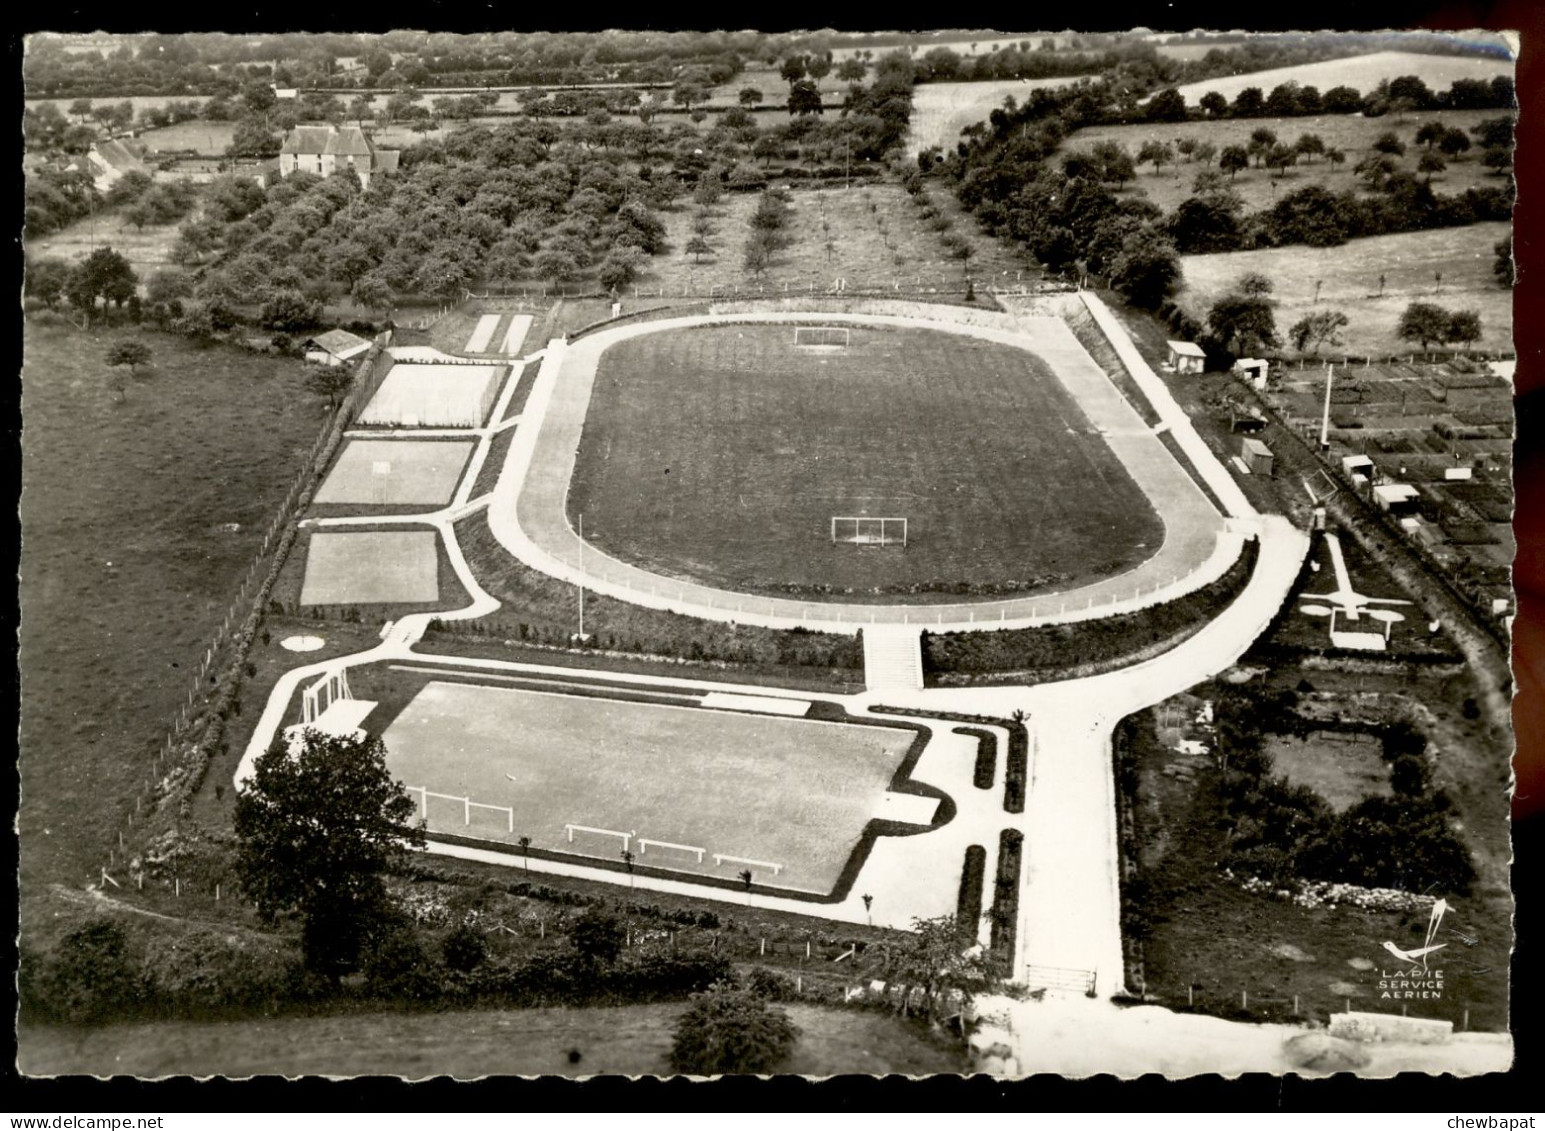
527	513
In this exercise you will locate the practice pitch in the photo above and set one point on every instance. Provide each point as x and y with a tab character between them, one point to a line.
435	396
372	568
685	784
386	472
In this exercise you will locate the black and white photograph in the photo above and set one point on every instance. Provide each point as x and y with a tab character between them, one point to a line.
712	553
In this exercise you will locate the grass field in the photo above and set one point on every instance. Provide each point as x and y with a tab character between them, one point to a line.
791	792
371	568
1361	72
148	250
128	561
1350	275
208	139
390	472
940	110
722	453
1260	188
1342	768
878	239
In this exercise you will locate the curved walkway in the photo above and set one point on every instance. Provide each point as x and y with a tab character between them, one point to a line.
527	513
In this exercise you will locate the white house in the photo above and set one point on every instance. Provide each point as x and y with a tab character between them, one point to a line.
1187	357
324	150
334	347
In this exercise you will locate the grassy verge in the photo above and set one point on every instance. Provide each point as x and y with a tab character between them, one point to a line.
1034	655
540	610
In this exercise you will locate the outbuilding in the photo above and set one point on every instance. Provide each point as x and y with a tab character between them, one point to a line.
1257	456
1187	357
1396	498
335	347
1253	370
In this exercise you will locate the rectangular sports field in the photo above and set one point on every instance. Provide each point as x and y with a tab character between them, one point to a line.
387	472
794	792
722	453
372	567
434	396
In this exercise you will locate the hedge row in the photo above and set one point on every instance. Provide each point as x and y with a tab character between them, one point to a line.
973	878
1005	899
1017	770
986	756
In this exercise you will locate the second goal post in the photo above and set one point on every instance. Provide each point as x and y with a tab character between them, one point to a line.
865	531
824	337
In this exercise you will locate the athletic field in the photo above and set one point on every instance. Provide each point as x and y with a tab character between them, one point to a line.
721	454
434	396
786	791
387	472
371	568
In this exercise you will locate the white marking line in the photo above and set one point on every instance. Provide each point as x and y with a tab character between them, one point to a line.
476	676
725	702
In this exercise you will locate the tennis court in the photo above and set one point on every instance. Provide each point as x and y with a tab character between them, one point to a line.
435	396
373	567
683	782
387	472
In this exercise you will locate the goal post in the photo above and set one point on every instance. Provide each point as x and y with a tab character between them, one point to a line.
317	698
822	337
862	530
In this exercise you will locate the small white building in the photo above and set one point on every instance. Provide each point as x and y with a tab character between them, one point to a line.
1187	357
1357	465
1256	455
1396	498
1253	370
335	347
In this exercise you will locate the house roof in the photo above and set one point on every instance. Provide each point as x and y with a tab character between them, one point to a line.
1254	447
1350	463
307	139
349	141
118	155
1186	349
1396	492
339	343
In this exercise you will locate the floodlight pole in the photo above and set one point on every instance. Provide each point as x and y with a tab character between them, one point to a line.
1330	379
582	578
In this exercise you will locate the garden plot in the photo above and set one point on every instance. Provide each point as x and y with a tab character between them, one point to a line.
372	568
435	396
390	472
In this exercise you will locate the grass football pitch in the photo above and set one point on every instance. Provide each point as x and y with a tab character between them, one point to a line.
372	568
793	792
389	472
721	454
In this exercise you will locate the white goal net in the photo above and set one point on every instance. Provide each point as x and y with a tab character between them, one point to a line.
865	531
822	337
316	699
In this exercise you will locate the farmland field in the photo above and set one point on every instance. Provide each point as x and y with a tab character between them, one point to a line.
128	563
1350	274
1260	187
702	457
147	250
878	239
940	110
209	139
792	792
1361	72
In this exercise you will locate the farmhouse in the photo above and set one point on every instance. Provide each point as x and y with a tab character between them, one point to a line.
1186	357
335	347
324	150
110	160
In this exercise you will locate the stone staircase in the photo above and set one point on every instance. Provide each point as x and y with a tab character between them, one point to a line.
893	657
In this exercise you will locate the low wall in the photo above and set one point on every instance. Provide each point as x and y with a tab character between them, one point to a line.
1390	1027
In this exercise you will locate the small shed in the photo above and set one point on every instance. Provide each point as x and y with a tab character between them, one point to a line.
1357	465
1396	498
1257	456
335	347
1187	357
1253	370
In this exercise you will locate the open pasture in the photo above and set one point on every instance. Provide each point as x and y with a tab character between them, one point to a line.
393	472
1261	188
722	453
148	249
940	110
788	791
139	519
208	139
434	396
1361	72
373	567
1408	262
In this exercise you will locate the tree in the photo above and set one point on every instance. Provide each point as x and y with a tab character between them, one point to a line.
804	98
1454	143
937	957
1423	322
1317	329
330	381
93	976
1249	103
852	70
105	275
620	267
1147	268
792	69
1389	143
1497	160
1279	157
1310	145
46	280
1502	268
1262	140
1166	106
1214	104
1158	152
697	247
253	138
464	949
597	937
290	312
750	96
1243	322
728	1030
1464	328
1430	133
1233	159
1431	163
130	353
315	828
1253	284
1342	100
